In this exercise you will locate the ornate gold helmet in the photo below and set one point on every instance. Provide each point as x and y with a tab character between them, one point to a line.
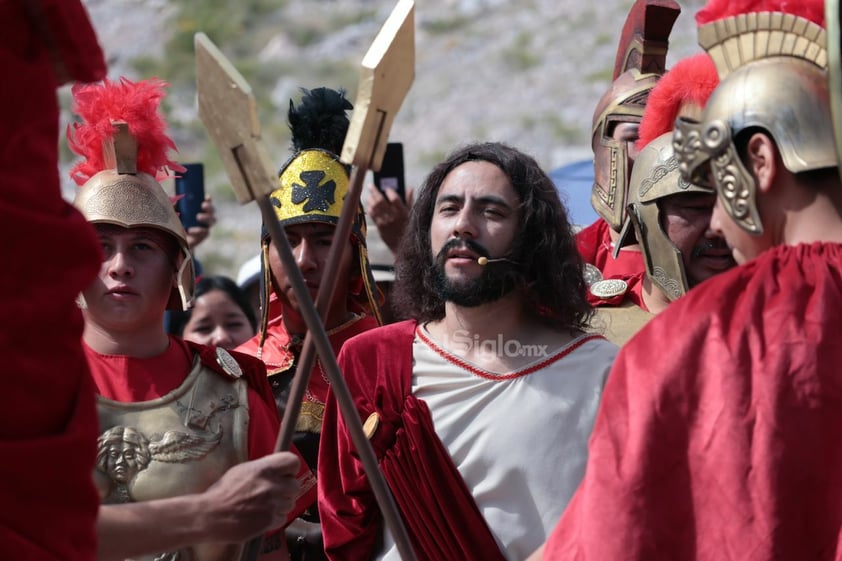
773	72
313	183
117	185
641	59
654	177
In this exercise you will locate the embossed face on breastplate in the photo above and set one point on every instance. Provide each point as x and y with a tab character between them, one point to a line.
123	453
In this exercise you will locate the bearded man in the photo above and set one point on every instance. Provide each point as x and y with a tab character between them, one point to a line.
479	408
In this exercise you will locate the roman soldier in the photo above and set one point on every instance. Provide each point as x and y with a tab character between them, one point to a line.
640	62
312	186
178	421
669	217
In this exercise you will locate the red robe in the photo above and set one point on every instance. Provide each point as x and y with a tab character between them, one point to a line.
718	434
48	423
441	516
594	245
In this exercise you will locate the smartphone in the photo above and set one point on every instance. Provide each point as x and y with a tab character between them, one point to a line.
191	184
391	174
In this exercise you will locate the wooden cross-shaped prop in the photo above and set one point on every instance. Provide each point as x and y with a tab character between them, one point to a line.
228	110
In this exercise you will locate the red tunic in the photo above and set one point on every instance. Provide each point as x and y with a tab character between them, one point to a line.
48	426
442	518
718	435
594	245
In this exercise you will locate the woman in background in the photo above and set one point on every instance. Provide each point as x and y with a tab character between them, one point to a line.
221	315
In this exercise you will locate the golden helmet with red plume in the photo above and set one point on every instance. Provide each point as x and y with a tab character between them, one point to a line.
125	147
771	57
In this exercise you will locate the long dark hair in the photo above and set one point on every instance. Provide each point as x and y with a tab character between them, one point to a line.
550	265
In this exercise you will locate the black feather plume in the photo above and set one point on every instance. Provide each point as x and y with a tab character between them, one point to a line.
320	120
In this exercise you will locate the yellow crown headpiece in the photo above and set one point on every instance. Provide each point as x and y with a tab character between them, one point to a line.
312	188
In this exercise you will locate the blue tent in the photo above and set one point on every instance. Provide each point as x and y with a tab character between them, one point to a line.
574	182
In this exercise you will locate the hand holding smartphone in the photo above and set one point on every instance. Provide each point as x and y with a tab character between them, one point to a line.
191	184
391	174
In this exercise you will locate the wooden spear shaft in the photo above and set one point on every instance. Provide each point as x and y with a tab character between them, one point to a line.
327	288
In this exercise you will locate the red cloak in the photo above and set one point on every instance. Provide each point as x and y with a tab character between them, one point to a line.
718	433
48	423
441	516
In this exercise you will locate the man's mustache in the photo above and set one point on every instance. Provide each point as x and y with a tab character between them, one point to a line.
711	245
457	243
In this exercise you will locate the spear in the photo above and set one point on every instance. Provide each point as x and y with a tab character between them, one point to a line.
228	110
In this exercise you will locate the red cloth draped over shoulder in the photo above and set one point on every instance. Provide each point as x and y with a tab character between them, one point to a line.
443	521
718	433
594	245
264	420
48	424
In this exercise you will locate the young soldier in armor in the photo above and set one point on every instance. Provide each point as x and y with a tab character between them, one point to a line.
308	202
479	410
724	445
178	421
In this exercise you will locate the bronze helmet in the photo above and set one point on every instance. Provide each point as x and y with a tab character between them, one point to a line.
641	60
654	177
773	72
130	199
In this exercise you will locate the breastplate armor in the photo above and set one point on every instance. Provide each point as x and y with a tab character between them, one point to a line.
177	444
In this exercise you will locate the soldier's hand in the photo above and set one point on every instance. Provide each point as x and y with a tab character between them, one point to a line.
252	498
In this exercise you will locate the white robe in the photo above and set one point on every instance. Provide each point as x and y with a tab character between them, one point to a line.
519	440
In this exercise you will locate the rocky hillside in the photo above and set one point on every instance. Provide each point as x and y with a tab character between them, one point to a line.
527	73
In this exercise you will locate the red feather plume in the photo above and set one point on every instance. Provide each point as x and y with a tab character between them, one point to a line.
136	103
691	80
715	10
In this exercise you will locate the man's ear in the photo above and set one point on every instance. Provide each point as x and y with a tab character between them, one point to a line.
762	160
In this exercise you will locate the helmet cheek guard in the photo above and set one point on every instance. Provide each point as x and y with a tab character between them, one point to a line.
655	177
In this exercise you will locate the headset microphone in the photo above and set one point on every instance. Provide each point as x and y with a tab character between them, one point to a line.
485	260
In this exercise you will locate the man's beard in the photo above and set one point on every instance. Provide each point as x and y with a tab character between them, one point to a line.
496	280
